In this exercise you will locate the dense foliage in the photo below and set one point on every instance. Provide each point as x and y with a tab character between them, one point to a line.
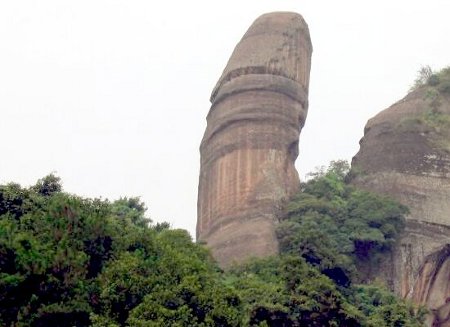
330	236
70	261
339	228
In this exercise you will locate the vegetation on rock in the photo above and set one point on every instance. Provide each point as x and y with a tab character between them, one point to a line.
433	118
330	230
427	77
337	227
70	261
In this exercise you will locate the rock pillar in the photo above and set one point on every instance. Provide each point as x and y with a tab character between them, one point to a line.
259	106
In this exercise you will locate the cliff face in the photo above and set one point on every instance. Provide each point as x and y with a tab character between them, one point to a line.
405	153
259	106
432	287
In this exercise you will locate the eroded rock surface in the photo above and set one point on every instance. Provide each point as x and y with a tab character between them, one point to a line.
259	106
405	153
432	287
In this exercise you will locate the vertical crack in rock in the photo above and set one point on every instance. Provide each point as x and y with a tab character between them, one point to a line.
259	106
405	153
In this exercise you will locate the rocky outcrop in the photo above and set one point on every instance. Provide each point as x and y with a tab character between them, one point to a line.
432	287
405	153
259	106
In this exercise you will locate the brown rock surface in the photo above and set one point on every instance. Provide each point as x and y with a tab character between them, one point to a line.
259	106
432	287
405	152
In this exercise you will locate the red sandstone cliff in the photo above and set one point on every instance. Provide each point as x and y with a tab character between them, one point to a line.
259	106
405	152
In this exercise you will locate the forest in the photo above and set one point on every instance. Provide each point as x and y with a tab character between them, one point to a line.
66	260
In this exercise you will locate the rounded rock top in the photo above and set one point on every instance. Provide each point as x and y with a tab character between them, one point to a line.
277	43
277	23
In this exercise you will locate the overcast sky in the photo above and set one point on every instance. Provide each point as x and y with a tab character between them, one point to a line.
113	95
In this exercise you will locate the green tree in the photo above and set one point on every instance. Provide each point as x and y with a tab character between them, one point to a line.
70	261
335	226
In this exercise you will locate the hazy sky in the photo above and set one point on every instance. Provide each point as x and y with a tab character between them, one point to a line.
113	95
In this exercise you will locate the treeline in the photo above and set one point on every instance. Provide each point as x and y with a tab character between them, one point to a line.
71	261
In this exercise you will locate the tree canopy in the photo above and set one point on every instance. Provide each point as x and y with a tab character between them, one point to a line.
71	261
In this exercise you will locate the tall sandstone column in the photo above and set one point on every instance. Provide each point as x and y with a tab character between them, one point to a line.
405	153
259	106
